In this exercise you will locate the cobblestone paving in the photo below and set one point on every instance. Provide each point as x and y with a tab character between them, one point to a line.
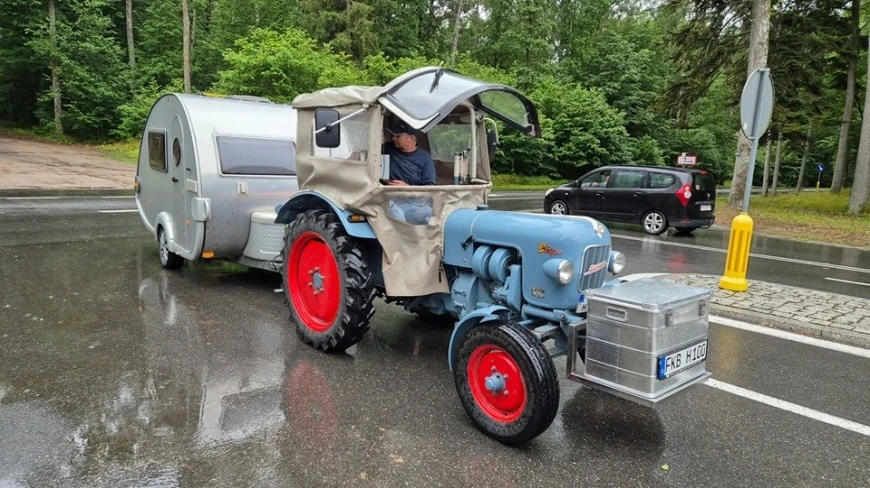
822	314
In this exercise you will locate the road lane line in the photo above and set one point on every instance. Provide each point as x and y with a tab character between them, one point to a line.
790	407
118	211
849	281
32	198
791	336
755	255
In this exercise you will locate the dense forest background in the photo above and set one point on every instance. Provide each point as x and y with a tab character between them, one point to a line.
616	81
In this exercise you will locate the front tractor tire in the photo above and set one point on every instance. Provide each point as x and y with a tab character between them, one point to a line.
327	282
506	382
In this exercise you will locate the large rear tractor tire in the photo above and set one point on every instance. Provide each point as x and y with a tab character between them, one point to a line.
327	282
506	382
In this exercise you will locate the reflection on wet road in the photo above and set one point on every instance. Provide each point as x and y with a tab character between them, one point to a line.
115	372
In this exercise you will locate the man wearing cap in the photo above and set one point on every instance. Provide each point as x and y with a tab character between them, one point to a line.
409	166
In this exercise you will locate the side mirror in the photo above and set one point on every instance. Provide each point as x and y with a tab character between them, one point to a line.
491	143
326	132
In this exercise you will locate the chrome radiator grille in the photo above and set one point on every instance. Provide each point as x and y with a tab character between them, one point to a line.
592	272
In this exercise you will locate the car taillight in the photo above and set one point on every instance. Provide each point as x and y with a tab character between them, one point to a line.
684	194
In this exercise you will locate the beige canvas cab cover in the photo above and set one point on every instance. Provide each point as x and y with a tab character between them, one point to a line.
450	111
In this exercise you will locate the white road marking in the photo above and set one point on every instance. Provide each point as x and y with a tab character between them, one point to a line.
790	407
118	211
849	281
791	336
755	255
31	198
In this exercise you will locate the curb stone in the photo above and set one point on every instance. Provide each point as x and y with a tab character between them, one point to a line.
808	312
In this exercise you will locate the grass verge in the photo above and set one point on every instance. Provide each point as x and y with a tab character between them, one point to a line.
515	182
809	216
124	151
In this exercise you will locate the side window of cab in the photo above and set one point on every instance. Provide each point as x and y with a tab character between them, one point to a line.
346	140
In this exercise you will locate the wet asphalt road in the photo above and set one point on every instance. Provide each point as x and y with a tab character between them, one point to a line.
115	372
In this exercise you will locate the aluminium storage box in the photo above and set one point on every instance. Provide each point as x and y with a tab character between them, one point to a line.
633	327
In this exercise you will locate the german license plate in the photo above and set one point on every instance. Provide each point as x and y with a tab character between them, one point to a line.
582	304
680	360
706	208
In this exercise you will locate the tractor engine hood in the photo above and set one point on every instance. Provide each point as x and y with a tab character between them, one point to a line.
535	239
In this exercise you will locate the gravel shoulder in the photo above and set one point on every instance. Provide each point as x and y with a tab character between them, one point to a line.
35	165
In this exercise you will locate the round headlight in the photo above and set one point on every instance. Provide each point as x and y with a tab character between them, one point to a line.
560	270
566	272
617	262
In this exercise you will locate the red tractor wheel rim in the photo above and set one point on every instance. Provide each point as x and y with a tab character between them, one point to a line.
497	383
314	282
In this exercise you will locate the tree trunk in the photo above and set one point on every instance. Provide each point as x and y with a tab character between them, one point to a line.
858	202
758	46
843	146
456	24
806	155
131	54
776	166
803	171
766	168
185	48
55	69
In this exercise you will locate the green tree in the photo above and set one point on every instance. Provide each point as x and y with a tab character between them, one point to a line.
93	74
580	131
22	71
280	66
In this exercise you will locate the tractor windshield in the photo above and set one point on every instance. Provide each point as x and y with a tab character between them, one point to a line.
426	96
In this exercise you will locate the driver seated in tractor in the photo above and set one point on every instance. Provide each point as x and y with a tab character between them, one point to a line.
410	165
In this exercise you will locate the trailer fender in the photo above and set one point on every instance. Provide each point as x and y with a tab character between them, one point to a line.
468	322
307	200
164	219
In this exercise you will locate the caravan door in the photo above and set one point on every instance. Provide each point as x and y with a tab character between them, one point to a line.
180	168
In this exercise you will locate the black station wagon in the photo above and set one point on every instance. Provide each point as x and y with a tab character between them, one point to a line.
654	196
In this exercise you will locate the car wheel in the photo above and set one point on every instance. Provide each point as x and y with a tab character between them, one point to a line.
559	207
327	282
654	222
685	230
506	382
168	259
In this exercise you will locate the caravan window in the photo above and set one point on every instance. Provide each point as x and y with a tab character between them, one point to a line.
157	150
255	156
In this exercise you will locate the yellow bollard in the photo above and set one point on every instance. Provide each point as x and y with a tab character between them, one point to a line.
738	254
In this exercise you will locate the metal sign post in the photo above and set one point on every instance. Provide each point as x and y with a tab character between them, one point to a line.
756	108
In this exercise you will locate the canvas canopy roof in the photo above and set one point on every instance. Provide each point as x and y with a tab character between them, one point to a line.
423	97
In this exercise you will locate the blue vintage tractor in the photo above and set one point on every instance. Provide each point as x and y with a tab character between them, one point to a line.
515	285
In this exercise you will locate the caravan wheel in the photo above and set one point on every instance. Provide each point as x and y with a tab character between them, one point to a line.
168	259
327	282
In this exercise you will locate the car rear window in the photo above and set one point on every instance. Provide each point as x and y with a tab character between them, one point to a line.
703	181
660	180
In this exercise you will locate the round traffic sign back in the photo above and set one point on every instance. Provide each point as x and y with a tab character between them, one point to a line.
756	103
